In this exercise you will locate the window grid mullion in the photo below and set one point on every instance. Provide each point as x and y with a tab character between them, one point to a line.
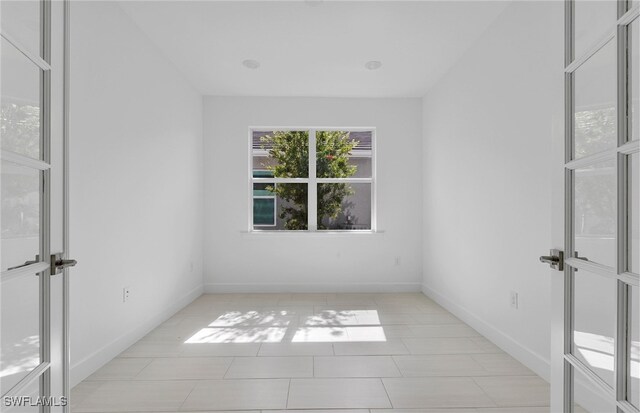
312	190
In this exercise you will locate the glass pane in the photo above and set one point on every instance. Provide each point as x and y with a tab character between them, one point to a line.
21	20
634	79
593	19
588	398
595	103
20	214
633	383
633	224
280	206
344	206
594	315
595	213
264	205
20	338
29	405
343	154
281	154
19	102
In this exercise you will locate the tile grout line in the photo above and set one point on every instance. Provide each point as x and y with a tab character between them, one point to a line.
224	376
143	369
393	358
485	392
286	406
188	395
386	392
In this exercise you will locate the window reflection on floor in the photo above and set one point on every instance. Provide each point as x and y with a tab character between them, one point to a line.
280	325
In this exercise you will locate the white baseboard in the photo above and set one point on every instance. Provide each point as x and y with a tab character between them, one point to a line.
312	288
540	365
88	365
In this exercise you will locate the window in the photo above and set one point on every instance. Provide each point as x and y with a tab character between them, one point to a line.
312	179
264	201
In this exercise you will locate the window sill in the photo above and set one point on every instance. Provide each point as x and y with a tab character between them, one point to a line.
313	234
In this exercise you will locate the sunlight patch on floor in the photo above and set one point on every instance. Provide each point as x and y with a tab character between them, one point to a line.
338	334
238	335
343	318
238	318
327	326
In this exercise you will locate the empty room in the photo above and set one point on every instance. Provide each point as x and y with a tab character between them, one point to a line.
320	206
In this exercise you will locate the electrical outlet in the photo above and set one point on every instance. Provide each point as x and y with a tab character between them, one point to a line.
126	293
514	300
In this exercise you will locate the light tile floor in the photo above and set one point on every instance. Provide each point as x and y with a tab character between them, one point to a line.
318	353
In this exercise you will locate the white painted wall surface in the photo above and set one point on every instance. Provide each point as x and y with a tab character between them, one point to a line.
136	186
238	261
489	126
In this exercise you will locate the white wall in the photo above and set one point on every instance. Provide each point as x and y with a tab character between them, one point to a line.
136	186
238	261
488	131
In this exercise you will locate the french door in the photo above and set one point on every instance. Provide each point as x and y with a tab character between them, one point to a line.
33	291
601	354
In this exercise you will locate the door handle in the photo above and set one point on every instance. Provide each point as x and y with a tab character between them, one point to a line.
27	263
555	259
58	264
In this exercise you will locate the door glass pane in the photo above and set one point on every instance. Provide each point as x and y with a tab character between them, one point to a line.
20	214
20	338
634	348
634	79
280	206
281	154
344	206
588	398
595	213
595	103
593	19
594	312
633	224
343	154
19	102
32	391
20	19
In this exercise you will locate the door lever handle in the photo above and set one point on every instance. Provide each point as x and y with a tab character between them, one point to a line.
58	263
549	259
66	263
27	263
555	259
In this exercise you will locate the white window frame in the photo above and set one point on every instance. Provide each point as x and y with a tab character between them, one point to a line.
312	181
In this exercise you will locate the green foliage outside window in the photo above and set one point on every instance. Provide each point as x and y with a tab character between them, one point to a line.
290	150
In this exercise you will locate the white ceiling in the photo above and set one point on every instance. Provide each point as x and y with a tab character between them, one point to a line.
311	47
